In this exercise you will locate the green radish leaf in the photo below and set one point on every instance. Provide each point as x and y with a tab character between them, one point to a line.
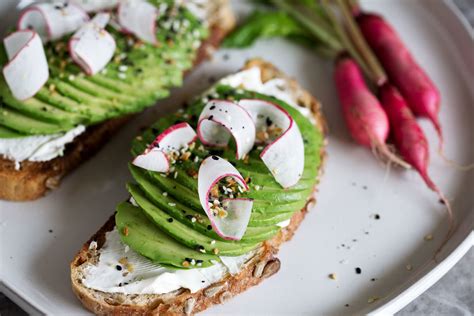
265	25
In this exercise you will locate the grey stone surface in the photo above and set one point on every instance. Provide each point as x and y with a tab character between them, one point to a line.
451	296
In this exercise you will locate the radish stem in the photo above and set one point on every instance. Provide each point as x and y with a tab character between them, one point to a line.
315	24
344	38
377	73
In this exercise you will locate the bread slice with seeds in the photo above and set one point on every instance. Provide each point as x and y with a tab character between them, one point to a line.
35	179
182	302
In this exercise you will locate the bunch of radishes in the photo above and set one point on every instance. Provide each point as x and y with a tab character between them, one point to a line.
403	88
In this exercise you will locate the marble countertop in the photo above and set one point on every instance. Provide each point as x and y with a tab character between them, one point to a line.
452	295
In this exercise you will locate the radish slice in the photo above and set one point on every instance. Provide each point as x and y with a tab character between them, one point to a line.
27	70
97	5
284	156
237	211
156	156
220	119
92	47
139	18
52	20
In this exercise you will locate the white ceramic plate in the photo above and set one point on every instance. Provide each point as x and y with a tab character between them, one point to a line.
339	235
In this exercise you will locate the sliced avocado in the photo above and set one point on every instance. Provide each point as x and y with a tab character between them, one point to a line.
142	235
27	125
183	234
5	132
190	217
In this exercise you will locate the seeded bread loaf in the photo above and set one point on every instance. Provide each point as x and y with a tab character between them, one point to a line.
181	302
35	179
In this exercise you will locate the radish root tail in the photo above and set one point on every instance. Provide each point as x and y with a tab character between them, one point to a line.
450	232
453	163
385	152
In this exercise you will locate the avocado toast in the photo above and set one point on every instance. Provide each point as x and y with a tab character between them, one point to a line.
88	110
160	254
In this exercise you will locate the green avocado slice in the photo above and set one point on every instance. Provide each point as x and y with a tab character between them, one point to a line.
26	124
151	242
182	233
195	219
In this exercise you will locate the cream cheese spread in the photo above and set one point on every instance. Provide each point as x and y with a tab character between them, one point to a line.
149	278
250	79
38	147
144	277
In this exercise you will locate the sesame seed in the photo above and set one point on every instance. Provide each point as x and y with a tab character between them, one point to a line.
428	237
213	242
171	204
165	193
123	68
332	276
409	267
122	75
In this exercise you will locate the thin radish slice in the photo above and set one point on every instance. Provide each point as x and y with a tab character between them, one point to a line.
221	118
97	5
139	18
52	20
27	70
230	216
284	156
157	156
92	47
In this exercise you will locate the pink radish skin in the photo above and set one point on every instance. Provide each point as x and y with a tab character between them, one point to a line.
410	139
403	71
365	118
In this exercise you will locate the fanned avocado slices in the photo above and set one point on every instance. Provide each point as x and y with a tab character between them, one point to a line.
137	76
169	207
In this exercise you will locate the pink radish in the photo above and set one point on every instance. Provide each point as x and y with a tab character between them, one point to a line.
410	139
365	117
403	71
233	225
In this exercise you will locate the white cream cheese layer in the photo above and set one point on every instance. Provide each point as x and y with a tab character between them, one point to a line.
38	147
149	278
141	276
250	79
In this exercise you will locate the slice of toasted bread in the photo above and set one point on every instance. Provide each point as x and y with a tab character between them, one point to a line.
182	302
35	179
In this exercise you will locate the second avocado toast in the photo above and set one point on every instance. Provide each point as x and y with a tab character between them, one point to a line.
86	109
161	253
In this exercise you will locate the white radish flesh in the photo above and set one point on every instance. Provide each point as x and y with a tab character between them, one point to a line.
27	70
284	156
234	224
92	47
220	119
52	20
155	157
139	18
96	5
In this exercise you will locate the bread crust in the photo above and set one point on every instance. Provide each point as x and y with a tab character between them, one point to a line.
35	179
182	302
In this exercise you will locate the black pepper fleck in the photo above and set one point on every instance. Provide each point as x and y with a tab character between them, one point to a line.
268	121
170	220
215	157
209	227
212	108
377	216
50	230
119	268
358	270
